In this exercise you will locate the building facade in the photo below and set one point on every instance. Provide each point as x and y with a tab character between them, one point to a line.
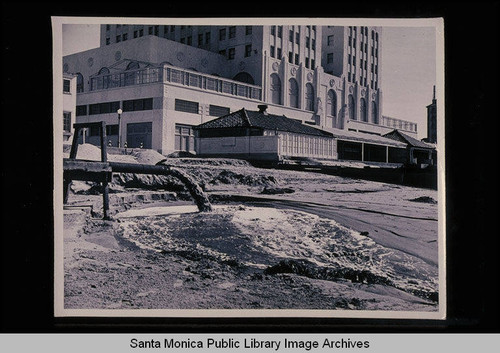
69	106
168	79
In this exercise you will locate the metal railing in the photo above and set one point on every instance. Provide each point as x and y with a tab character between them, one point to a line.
211	83
178	76
398	124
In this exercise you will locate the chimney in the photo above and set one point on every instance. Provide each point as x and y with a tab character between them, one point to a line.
262	108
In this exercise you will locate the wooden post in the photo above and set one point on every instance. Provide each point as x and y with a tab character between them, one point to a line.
105	186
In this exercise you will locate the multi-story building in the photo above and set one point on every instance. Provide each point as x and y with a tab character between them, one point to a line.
69	106
167	79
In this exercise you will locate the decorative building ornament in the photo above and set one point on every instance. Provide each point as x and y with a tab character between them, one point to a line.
293	71
332	82
309	76
90	62
374	96
350	89
363	92
241	65
180	56
275	66
118	55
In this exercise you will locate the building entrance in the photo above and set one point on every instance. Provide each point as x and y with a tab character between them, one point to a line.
139	135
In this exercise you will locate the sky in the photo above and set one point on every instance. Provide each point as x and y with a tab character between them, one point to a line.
408	67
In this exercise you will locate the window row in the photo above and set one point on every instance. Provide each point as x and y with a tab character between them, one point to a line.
293	95
363	110
112	107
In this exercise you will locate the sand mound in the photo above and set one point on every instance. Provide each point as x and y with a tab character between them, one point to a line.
146	156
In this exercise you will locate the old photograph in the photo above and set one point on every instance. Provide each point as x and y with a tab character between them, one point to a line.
279	167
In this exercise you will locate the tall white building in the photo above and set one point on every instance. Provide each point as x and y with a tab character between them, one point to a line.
167	79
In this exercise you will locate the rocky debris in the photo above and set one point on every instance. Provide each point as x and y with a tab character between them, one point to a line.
424	199
308	269
230	177
277	191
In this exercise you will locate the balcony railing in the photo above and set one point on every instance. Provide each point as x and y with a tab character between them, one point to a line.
211	83
177	76
398	124
126	78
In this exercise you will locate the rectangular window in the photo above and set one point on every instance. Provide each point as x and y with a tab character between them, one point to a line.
222	52
172	28
136	105
330	40
231	53
232	31
272	51
94	109
150	30
135	34
291	36
215	110
189	40
207	38
248	30
278	53
273	30
222	34
108	27
125	36
112	130
313	46
141	32
248	50
307	42
307	62
184	138
183	40
297	38
296	59
67	121
329	58
81	110
118	39
66	86
280	31
200	39
186	106
108	41
290	57
313	64
157	30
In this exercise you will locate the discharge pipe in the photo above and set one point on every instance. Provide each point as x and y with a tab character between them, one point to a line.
196	192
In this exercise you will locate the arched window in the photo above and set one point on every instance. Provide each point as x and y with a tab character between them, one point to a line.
352	108
103	71
132	77
309	97
275	89
331	103
374	113
362	110
293	93
79	83
244	77
133	65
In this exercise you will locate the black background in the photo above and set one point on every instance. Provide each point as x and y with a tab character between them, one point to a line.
471	78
